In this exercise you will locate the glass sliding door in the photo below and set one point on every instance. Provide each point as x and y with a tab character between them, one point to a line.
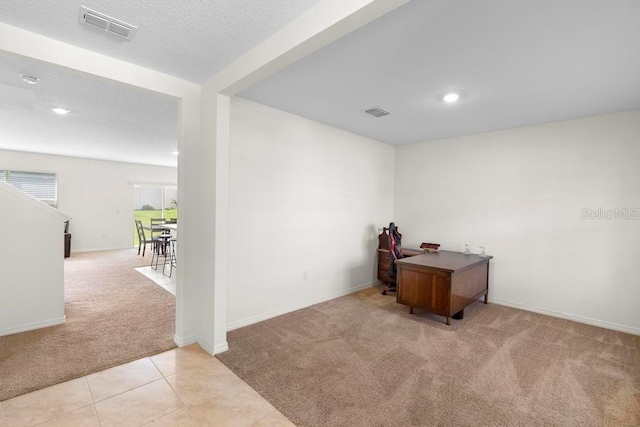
170	202
153	201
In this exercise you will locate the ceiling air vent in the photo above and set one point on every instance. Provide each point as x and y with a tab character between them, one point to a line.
377	112
96	20
119	29
107	23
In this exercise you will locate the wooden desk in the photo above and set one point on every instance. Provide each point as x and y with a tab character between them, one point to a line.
443	282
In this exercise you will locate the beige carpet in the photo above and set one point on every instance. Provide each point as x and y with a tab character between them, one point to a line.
114	315
362	360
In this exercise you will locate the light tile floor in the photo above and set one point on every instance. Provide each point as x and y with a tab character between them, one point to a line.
166	282
182	387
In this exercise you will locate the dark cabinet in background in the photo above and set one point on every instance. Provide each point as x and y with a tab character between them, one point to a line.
67	245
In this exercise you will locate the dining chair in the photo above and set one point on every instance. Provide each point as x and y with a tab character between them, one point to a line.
142	238
153	227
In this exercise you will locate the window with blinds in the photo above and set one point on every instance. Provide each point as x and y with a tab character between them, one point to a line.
40	186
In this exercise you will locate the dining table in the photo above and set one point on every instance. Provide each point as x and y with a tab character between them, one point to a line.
172	227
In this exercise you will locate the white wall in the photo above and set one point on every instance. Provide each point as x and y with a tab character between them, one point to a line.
520	193
304	197
31	263
96	194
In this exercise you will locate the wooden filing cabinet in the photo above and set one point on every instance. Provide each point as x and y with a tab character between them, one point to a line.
384	258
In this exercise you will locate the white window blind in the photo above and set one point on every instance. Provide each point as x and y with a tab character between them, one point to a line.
40	186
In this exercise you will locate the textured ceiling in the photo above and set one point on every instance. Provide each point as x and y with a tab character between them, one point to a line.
192	40
516	63
189	39
107	121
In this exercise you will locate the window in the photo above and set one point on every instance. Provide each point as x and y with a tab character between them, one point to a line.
161	200
40	186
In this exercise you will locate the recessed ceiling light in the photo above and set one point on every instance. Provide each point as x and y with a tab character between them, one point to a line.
175	153
32	80
59	110
451	97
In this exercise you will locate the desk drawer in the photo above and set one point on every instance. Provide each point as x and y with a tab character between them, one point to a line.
383	260
382	275
383	265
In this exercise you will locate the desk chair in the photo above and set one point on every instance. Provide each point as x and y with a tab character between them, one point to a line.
394	240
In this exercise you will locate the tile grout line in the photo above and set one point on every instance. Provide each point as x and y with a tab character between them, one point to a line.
191	413
156	366
184	405
64	413
126	391
86	380
187	406
95	410
154	381
177	394
165	415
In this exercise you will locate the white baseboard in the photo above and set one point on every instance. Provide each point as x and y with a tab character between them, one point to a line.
184	341
279	312
78	251
32	326
568	316
206	346
221	348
